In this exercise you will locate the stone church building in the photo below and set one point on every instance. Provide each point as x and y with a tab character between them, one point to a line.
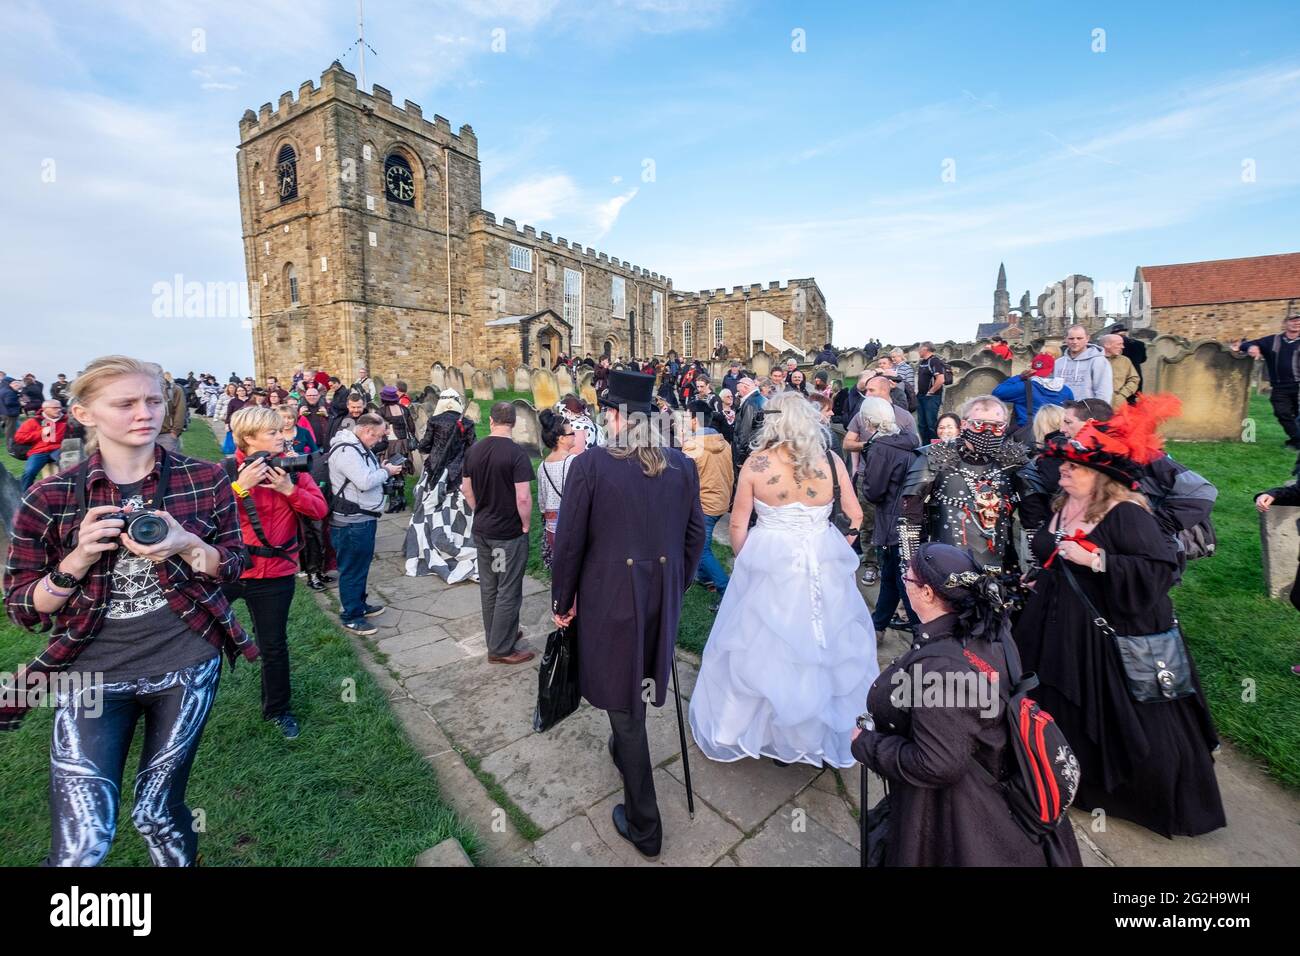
366	243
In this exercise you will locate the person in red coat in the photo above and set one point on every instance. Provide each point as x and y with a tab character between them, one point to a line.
45	433
629	538
271	503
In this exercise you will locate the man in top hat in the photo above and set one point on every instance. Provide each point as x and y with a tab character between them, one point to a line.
630	535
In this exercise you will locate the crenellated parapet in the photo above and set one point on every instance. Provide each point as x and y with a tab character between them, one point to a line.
337	84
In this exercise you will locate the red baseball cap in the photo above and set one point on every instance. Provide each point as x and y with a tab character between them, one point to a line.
1043	364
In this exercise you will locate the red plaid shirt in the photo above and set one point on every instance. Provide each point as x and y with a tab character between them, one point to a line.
198	497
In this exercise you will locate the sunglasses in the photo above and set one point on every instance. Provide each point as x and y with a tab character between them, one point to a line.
981	425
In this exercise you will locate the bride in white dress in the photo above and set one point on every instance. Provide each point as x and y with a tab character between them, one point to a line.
792	651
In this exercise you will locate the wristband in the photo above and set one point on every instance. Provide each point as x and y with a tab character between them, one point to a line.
235	487
45	582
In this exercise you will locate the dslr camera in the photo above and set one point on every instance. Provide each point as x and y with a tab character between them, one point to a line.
142	527
288	463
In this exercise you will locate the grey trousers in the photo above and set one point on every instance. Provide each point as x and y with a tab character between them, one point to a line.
501	589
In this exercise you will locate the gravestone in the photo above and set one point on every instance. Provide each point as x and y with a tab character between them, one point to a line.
977	381
1214	385
438	376
482	387
959	369
1279	538
546	390
586	387
430	393
528	430
563	381
421	412
1162	347
986	357
454	379
523	378
474	412
852	364
467	371
1021	356
761	363
500	381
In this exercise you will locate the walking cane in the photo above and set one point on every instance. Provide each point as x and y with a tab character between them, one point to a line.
681	730
862	817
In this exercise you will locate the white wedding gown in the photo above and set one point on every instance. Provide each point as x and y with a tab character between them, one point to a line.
792	651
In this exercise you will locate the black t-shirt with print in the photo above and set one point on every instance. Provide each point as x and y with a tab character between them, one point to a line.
140	635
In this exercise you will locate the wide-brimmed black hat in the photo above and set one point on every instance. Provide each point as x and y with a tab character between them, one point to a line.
630	390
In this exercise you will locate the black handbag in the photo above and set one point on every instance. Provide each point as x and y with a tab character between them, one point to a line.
1157	666
557	680
841	522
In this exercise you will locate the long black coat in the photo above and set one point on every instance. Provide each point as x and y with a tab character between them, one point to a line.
626	548
942	812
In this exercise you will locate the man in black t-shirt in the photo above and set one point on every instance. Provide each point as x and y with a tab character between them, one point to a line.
929	392
497	487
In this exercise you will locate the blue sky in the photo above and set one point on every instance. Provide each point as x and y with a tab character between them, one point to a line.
1179	141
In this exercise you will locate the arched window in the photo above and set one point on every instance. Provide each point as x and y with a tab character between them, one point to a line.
717	332
399	180
291	281
688	340
286	173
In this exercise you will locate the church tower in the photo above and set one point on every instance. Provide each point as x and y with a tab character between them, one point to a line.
356	217
1001	298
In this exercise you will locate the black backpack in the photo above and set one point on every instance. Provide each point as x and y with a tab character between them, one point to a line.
1040	786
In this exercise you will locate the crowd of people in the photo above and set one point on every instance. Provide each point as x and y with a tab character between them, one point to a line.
1037	529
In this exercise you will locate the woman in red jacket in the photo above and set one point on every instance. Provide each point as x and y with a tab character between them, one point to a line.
45	433
270	504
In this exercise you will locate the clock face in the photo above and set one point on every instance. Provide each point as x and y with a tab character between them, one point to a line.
400	183
288	176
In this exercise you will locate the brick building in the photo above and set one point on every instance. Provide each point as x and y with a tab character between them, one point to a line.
1223	299
366	243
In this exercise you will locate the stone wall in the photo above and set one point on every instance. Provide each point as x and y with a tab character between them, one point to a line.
799	302
1225	322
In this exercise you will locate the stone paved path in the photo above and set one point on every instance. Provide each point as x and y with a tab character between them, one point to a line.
461	711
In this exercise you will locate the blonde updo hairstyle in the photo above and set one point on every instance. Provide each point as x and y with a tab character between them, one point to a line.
792	422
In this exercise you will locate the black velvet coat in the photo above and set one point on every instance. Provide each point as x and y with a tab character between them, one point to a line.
942	812
626	548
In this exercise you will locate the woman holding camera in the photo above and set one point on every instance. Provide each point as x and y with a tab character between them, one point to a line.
271	502
122	559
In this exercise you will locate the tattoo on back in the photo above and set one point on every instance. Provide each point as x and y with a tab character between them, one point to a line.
812	493
819	473
760	463
774	479
783	495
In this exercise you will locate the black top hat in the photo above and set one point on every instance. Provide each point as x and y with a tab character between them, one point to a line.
630	390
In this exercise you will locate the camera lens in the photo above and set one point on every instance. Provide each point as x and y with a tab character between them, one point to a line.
146	529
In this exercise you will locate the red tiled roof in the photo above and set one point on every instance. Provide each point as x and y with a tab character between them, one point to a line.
1256	279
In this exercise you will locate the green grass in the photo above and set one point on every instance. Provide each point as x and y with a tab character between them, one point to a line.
1241	638
349	792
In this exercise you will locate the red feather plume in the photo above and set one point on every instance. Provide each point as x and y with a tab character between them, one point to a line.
1136	425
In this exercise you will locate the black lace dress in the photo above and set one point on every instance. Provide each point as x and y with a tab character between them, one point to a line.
1149	763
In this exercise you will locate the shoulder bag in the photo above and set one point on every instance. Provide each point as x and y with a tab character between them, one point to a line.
1157	666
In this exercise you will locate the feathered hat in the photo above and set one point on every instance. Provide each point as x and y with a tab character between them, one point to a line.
1123	446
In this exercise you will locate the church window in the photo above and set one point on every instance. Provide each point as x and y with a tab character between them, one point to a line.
399	181
657	309
618	296
521	258
292	278
286	173
688	340
717	332
573	302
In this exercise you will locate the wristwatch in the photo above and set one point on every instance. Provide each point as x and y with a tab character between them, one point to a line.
865	722
62	579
